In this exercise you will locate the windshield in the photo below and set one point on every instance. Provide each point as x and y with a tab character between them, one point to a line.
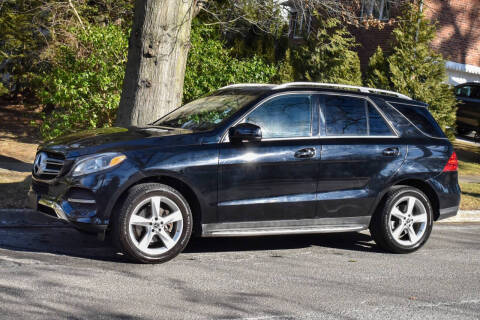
206	113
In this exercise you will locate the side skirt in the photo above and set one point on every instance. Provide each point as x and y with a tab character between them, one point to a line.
306	226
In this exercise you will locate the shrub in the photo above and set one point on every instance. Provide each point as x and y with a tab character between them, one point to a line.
85	83
210	65
328	55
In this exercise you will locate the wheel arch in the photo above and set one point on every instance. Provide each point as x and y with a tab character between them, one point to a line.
172	181
416	183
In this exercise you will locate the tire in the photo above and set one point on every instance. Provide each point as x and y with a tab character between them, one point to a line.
397	229
142	228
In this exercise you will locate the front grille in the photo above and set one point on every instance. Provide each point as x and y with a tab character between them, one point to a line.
48	165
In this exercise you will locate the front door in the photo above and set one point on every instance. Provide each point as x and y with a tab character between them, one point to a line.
276	178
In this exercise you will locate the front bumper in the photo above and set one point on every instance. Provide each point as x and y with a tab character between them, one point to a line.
59	199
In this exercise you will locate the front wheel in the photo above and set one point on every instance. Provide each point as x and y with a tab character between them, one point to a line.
154	223
404	222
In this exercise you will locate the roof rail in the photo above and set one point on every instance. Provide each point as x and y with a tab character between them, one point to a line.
239	85
343	86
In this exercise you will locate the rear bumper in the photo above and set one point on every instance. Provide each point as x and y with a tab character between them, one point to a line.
447	213
448	192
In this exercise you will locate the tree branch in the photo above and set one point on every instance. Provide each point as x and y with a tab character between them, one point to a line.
76	13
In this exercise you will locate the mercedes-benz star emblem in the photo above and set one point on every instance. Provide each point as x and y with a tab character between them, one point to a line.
39	164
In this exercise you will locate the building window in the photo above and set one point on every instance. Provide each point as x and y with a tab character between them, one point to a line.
299	24
377	9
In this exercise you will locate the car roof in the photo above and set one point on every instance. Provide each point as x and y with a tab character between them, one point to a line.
391	96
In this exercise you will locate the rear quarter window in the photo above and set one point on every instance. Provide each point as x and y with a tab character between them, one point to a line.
421	118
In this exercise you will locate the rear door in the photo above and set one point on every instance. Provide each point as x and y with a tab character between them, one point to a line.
360	153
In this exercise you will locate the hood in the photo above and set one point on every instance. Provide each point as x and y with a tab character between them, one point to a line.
117	139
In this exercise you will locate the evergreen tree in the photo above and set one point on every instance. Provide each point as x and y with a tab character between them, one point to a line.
328	55
414	68
285	72
377	73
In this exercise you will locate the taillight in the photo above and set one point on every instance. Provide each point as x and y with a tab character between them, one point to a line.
452	163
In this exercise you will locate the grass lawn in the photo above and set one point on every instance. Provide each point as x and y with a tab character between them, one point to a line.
13	189
468	165
470	196
468	158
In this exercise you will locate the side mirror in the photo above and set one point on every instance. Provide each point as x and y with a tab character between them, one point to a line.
247	132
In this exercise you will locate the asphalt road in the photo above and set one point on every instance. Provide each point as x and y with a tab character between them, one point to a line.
57	272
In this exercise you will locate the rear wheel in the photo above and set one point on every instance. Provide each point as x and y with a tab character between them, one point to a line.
154	223
404	222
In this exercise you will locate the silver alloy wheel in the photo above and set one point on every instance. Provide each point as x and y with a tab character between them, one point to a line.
155	225
408	220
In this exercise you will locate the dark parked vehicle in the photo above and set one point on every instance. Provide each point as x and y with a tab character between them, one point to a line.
468	113
252	160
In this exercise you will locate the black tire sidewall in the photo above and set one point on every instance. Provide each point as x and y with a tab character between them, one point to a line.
387	233
130	203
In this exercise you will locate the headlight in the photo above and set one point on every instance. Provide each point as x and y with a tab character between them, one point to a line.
97	162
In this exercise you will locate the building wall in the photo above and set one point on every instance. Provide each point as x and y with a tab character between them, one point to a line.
458	29
458	37
369	39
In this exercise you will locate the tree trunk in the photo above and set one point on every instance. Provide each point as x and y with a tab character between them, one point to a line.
157	56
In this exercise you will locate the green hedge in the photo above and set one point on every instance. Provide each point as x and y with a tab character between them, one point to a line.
84	85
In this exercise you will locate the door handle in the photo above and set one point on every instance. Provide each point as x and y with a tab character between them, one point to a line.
305	153
391	152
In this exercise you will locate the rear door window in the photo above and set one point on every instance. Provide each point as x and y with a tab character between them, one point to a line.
350	116
376	123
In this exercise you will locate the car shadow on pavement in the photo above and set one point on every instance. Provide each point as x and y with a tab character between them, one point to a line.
62	241
344	241
66	241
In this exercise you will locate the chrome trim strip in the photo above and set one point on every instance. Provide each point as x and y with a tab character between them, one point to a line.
408	104
329	137
286	226
54	161
55	206
284	231
81	200
279	199
344	86
240	85
303	197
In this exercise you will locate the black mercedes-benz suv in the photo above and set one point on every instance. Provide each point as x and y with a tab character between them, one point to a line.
252	160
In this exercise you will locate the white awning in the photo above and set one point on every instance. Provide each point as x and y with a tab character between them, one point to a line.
468	68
